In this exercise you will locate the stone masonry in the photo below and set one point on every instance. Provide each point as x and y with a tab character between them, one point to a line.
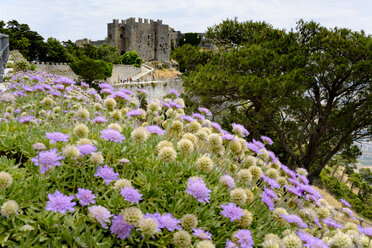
151	39
4	54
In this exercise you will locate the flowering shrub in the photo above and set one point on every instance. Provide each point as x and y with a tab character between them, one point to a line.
84	170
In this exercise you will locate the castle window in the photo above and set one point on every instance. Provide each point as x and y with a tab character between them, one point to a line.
121	35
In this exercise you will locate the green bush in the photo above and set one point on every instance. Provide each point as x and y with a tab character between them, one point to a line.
129	58
89	69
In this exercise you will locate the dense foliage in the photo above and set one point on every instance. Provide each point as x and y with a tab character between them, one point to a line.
310	87
131	58
89	69
77	170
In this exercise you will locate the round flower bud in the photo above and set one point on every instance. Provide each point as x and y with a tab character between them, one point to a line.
179	101
121	184
193	126
109	103
302	171
167	154
250	195
308	213
244	176
189	221
170	113
246	220
323	212
292	241
5	180
177	126
116	114
270	243
47	101
96	158
153	106
238	196
214	140
132	216
39	146
191	137
97	106
282	181
249	161
185	146
9	110
272	173
265	155
83	113
162	144
350	226
202	135
235	146
26	228
275	166
140	134
159	119
9	208
164	124
255	171
71	152
182	239
204	164
83	141
116	127
205	244
340	240
148	226
81	130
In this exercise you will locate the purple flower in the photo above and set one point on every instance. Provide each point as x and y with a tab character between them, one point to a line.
198	116
228	137
331	223
197	188
201	234
174	92
271	193
273	184
205	111
230	244
155	129
216	126
99	119
64	81
106	91
303	179
294	219
346	203
267	140
107	173
86	149
187	118
156	217
311	241
169	222
120	95
244	238
120	227
165	104
253	148
84	85
227	181
112	135
175	105
294	190
130	194
59	202
366	230
126	91
142	91
57	136
100	214
105	86
267	200
273	158
240	130
25	119
47	160
85	197
348	212
259	144
135	112
232	211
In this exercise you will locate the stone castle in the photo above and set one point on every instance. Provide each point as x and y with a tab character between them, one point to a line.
152	40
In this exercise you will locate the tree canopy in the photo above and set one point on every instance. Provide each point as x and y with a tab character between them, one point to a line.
309	87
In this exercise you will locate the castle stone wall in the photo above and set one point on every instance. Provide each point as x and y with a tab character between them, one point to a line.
122	72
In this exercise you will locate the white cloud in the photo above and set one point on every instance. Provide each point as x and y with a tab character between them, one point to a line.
75	19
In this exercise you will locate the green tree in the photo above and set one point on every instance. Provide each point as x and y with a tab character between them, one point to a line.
108	53
189	56
129	58
89	69
56	51
91	51
310	89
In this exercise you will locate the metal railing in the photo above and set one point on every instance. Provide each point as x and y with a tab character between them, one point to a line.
4	54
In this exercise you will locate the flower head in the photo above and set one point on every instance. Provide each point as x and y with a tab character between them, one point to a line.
155	130
47	160
169	222
201	234
240	130
232	211
107	173
198	189
120	227
99	214
57	136
59	202
86	149
85	197
244	238
112	135
130	194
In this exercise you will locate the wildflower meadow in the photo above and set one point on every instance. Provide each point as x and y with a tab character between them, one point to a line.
85	167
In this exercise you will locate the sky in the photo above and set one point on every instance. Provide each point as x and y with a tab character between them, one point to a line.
77	19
